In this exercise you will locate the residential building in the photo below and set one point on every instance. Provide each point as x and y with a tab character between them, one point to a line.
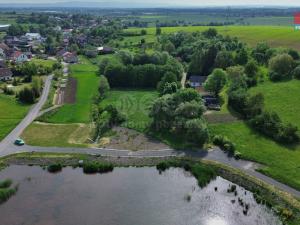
5	74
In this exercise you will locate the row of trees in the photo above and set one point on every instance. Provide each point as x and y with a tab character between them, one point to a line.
139	72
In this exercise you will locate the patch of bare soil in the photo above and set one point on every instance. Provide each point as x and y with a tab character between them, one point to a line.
124	138
70	92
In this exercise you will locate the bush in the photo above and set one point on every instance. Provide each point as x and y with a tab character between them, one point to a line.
271	125
54	168
296	73
224	143
5	194
8	91
95	167
6	183
26	95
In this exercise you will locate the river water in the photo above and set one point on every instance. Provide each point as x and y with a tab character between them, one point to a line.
126	196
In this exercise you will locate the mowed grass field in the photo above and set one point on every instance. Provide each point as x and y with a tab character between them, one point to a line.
87	85
275	36
58	135
11	113
134	104
281	162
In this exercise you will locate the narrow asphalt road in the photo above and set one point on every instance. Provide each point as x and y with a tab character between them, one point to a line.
7	142
8	148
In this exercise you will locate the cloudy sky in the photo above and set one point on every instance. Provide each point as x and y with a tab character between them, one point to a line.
172	2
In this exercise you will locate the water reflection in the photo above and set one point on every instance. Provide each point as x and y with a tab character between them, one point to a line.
127	196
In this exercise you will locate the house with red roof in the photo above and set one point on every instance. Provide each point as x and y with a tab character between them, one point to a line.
18	57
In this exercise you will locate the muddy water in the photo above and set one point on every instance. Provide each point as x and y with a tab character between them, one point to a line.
127	196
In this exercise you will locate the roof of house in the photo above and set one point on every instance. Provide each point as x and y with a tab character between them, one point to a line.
16	54
5	72
198	79
2	64
36	35
4	46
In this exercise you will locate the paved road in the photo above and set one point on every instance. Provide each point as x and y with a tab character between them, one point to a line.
7	148
32	114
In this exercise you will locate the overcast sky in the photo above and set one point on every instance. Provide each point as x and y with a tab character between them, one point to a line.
173	2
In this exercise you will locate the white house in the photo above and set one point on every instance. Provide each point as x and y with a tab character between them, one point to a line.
33	36
197	81
19	57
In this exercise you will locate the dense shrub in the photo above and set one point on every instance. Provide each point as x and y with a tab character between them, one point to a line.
27	95
7	90
53	168
224	143
6	183
271	125
296	73
96	167
5	191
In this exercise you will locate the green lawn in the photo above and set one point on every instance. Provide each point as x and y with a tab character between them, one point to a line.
42	62
11	113
281	163
276	36
87	85
134	104
283	98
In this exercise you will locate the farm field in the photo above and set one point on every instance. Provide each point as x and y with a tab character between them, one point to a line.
11	113
281	163
275	36
206	19
134	104
283	98
87	84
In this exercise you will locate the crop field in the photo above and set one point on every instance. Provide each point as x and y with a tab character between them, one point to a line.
275	36
11	113
134	104
87	84
283	98
281	162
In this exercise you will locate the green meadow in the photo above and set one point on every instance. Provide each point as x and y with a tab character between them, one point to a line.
134	104
275	36
87	84
283	98
11	113
281	162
